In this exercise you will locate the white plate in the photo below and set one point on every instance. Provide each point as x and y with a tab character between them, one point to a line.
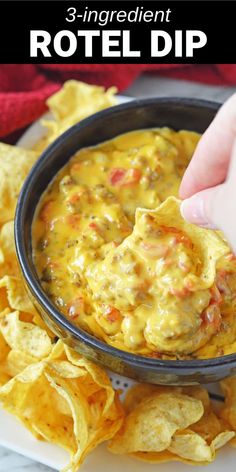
15	437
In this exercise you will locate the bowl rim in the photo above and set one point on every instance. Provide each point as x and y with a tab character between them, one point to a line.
34	286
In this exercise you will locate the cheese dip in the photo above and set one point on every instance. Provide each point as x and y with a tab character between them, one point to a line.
139	290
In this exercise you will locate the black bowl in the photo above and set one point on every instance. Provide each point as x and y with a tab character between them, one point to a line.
177	113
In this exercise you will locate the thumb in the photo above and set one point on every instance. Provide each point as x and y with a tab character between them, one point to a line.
205	208
214	208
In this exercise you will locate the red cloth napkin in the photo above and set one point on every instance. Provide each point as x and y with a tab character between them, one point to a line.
24	88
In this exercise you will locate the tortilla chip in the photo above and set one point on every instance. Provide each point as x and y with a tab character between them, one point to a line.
17	361
201	394
18	297
74	102
3	300
98	375
222	439
48	398
147	435
207	244
15	164
24	337
191	446
8	260
228	411
139	392
153	422
4	350
156	457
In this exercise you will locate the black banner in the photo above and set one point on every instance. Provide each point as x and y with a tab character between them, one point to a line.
117	32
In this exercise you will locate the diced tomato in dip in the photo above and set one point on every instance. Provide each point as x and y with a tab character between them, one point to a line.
124	178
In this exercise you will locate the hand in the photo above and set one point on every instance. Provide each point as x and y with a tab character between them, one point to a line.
209	183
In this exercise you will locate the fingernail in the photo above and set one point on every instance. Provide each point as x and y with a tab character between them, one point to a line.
193	210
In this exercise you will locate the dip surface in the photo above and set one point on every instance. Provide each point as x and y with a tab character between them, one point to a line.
137	293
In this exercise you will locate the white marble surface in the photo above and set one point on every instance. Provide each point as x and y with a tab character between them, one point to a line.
147	85
12	462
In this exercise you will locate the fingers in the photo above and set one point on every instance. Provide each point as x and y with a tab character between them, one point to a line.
210	162
214	208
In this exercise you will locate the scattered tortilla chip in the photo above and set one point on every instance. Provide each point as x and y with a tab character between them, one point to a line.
18	297
4	378
139	392
15	164
8	260
222	439
191	446
153	422
210	427
4	350
194	441
22	396
47	397
24	337
12	292
156	457
228	411
200	393
3	300
17	361
97	374
1	257
66	370
74	102
38	321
